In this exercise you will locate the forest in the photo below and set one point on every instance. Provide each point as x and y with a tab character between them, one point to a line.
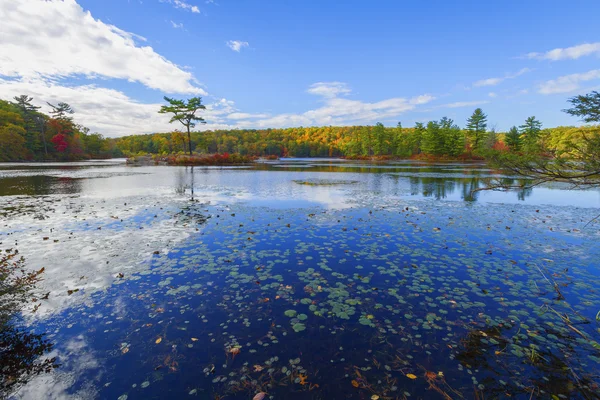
442	139
26	134
29	135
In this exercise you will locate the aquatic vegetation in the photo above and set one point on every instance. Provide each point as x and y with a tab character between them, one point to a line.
324	182
388	299
204	159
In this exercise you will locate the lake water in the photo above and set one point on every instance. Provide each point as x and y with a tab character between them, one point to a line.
306	279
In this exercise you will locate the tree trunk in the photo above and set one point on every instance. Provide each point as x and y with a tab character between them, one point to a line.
189	140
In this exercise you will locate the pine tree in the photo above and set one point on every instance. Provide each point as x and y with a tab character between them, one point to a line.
530	132
586	106
379	135
476	128
32	127
453	139
513	139
432	142
185	113
416	139
397	141
61	111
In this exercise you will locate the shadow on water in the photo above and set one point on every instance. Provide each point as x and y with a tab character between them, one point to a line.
21	351
39	185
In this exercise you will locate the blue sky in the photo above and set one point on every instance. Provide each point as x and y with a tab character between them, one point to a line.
289	63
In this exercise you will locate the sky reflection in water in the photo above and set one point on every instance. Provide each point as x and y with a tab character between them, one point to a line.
336	279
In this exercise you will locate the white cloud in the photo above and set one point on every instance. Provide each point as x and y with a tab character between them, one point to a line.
108	111
496	81
241	115
58	39
459	104
488	82
342	111
176	25
568	83
236	45
572	53
183	5
423	99
329	89
492	94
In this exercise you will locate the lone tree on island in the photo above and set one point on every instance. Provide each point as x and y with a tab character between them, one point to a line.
184	112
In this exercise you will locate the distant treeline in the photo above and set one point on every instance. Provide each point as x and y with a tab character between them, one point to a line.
29	135
330	141
442	139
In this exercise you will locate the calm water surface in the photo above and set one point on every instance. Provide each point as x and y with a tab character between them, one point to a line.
306	279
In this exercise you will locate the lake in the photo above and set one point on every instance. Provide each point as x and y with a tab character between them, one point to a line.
306	279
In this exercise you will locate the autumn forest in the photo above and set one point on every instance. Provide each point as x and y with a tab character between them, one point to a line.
27	134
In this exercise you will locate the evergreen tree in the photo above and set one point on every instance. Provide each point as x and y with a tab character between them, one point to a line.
453	142
379	135
513	139
530	133
397	148
586	106
184	112
433	141
32	127
366	140
416	139
61	111
476	128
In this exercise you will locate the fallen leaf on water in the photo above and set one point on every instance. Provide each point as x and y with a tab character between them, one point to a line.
259	396
125	350
194	339
411	376
158	340
430	375
374	397
354	383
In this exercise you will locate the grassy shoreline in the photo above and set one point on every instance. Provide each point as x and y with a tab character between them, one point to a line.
193	160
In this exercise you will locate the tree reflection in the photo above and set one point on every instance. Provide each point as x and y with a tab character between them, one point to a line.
184	182
468	187
21	352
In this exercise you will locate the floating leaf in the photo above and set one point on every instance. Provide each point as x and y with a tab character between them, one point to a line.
411	376
158	340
